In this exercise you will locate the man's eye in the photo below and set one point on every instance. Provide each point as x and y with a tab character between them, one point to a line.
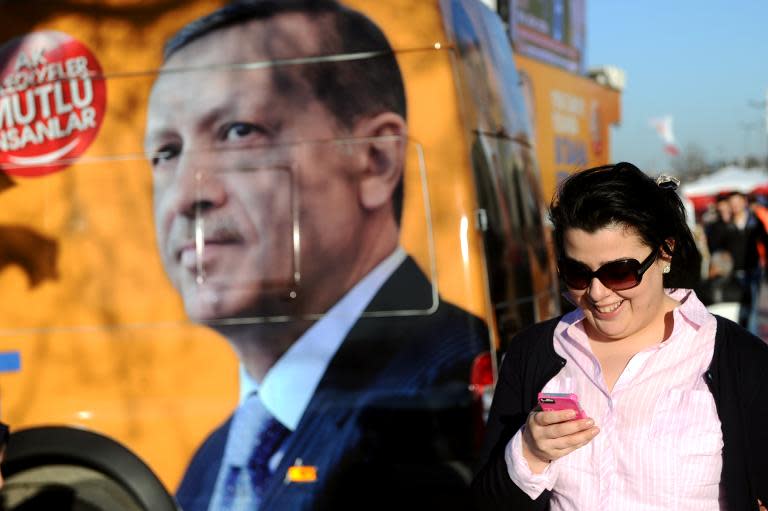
164	154
240	130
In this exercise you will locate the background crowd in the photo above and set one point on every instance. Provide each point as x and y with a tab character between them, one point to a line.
733	238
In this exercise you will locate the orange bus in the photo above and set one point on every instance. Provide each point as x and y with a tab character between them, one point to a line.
571	115
571	108
170	248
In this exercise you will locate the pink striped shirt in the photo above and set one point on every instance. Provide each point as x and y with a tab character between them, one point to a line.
660	443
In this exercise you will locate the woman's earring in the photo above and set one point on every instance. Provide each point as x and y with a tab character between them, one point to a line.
666	269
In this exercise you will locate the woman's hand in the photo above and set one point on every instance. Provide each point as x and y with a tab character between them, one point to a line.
551	435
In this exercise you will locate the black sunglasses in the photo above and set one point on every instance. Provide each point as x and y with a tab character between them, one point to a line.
616	275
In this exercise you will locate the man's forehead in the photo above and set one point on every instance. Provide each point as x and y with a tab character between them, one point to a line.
202	71
282	36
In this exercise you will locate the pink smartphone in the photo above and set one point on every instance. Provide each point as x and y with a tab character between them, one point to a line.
552	401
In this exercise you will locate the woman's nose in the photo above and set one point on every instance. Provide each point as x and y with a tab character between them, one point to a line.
597	290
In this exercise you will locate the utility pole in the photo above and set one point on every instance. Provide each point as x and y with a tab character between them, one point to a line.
764	105
749	128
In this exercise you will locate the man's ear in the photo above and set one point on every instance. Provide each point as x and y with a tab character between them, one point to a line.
384	139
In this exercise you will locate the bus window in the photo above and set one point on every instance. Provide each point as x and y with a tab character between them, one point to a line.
521	283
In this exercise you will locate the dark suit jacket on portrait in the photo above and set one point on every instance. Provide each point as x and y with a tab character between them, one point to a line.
389	419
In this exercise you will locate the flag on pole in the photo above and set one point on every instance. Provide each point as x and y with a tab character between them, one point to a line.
663	126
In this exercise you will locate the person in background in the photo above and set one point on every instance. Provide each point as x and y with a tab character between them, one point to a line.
720	232
758	209
676	397
749	233
720	290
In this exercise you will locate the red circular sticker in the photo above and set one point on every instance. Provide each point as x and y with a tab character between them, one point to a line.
52	102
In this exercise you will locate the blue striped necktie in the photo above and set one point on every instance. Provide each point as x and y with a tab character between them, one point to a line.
244	485
270	437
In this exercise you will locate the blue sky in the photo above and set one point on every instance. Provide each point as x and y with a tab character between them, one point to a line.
700	61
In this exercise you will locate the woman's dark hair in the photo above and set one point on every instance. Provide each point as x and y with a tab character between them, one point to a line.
623	195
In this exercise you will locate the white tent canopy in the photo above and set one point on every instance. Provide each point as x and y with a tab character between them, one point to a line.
730	178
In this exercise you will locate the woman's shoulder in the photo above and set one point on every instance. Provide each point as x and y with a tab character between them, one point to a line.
535	337
733	342
538	329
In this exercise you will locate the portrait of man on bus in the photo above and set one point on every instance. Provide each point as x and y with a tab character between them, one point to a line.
277	134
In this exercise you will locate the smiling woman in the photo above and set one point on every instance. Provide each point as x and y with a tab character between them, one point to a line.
659	377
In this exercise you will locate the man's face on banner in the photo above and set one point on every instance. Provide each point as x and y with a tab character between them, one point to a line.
241	159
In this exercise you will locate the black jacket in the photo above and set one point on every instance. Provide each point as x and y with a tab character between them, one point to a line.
389	420
737	378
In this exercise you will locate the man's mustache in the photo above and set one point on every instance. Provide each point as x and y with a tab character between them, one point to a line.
188	233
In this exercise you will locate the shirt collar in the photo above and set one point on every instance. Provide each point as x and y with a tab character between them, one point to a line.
289	384
690	310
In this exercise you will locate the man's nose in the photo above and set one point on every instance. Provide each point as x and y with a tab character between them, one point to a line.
199	185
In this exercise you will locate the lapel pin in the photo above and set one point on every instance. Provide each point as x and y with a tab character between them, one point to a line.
300	473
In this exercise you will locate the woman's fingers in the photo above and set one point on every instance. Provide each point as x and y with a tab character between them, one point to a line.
575	440
548	418
551	435
555	424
